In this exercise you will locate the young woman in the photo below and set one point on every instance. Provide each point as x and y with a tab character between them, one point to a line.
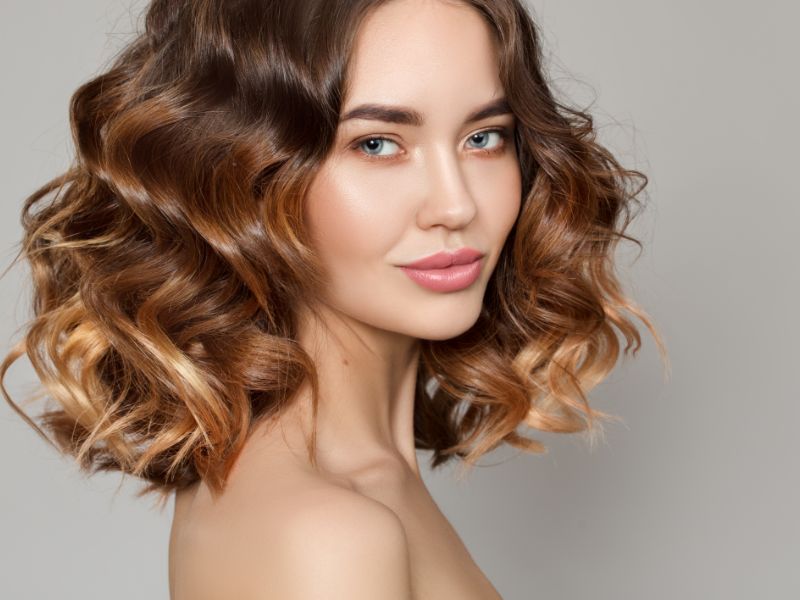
303	240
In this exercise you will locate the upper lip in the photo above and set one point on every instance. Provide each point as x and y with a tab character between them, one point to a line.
444	259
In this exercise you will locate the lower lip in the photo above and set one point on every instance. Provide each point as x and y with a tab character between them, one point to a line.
451	279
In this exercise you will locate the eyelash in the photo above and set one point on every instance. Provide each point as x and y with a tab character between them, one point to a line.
504	132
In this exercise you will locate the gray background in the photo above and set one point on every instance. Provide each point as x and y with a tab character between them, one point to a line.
695	496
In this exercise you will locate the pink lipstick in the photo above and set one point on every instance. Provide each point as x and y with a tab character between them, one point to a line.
446	271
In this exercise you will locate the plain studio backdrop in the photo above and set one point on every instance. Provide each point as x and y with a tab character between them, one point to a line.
694	496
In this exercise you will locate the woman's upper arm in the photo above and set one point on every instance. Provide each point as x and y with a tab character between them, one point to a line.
340	547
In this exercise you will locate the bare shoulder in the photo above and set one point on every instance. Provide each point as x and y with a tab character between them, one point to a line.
290	542
336	544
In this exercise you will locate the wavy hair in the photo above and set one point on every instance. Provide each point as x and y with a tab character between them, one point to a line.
167	260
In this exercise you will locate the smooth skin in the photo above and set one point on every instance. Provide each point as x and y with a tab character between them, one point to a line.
366	527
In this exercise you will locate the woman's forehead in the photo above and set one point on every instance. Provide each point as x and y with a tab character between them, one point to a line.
401	43
413	52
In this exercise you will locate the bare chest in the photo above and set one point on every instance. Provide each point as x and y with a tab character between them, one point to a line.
441	564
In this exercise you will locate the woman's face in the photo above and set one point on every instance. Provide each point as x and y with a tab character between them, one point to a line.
393	191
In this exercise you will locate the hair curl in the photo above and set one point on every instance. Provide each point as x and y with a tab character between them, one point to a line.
169	257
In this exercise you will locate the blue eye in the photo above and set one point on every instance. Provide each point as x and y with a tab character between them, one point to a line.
484	135
372	147
374	144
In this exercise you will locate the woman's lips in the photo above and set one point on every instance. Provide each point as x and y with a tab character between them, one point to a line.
445	258
450	279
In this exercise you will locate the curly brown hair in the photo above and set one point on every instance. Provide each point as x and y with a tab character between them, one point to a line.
167	260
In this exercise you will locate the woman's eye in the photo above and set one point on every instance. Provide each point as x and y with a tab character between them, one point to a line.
373	146
481	139
489	141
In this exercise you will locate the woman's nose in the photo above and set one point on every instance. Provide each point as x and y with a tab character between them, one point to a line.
448	199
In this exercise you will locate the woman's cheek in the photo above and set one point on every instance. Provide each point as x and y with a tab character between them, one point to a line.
497	187
379	196
359	211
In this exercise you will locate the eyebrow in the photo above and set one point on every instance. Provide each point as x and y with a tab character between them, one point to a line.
408	116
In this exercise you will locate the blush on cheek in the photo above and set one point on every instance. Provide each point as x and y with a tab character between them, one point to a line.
376	201
351	219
